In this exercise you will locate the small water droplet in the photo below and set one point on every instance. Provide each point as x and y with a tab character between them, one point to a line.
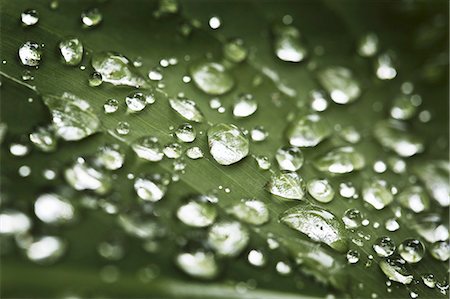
44	139
214	22
14	222
197	213
123	128
251	211
228	238
440	251
385	69
235	51
148	148
391	225
186	133
110	156
341	160
71	50
151	187
384	247
187	109
288	44
212	77
287	185
340	83
244	106
198	264
377	193
29	17
263	162
352	256
194	153
289	158
111	106
45	250
30	54
368	45
321	190
352	218
91	17
95	79
256	258
54	209
82	176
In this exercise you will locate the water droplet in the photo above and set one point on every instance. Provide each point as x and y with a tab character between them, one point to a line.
318	224
429	280
391	225
384	247
414	198
287	185
91	17
350	134
308	131
197	213
137	101
73	118
395	269
198	264
212	77
251	211
394	136
341	160
111	106
148	148
258	134
95	79
110	156
340	83
440	251
377	193
352	256
139	225
283	268
186	133
29	17
256	258
194	153
45	250
155	75
187	109
44	139
71	51
404	106
352	218
227	144
368	45
235	51
116	69
244	106
321	190
54	209
151	187
435	176
411	250
30	54
318	101
123	128
347	190
263	162
228	238
18	149
289	158
384	67
13	222
173	150
214	22
288	44
82	176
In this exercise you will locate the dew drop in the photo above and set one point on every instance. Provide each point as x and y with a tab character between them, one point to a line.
91	17
44	139
110	106
289	158
228	238
29	17
308	131
384	247
235	51
71	50
288	44
251	211
212	77
53	209
440	251
198	264
394	136
352	218
340	160
287	185
187	109
148	148
340	83
30	54
186	133
82	176
227	143
244	106
321	190
151	187
194	153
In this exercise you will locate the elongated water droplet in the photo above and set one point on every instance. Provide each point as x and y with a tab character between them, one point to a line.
340	83
384	247
148	148
394	136
198	264
411	250
44	139
308	131
245	105
289	158
151	187
318	224
377	193
435	176
71	50
82	176
187	109
228	238
73	118
287	185
321	190
30	54
395	269
197	213
251	211
117	69
212	77
288	45
341	160
29	17
54	209
227	143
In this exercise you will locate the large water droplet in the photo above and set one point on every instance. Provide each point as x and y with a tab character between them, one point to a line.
395	270
148	148
321	190
318	224
394	136
212	77
198	264
287	185
288	45
341	160
71	51
228	238
411	250
289	158
251	211
187	109
308	131
30	54
377	193
54	209
73	118
82	176
431	228
151	187
116	69
340	83
227	144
